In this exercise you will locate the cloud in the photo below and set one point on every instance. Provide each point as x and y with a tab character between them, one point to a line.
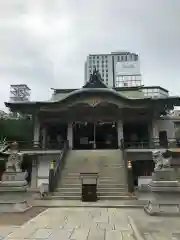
45	43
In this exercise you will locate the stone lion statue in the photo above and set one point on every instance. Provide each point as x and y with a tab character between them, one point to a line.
160	161
14	160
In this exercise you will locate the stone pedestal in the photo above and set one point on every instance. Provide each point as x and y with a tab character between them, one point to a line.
13	181
165	193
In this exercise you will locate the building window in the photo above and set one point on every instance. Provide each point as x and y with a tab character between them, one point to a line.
106	61
106	75
97	61
107	70
97	57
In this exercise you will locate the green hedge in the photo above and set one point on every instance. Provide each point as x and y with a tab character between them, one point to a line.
16	130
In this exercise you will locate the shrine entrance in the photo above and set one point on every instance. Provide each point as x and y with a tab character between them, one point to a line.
98	135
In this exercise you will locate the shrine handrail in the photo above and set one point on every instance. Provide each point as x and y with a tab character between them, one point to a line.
153	143
56	169
31	144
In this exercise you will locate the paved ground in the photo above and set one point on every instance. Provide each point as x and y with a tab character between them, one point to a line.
79	203
156	228
19	218
76	224
94	223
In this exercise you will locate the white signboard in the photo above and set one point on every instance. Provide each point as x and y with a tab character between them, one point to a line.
128	68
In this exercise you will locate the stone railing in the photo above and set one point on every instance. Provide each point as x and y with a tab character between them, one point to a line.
56	169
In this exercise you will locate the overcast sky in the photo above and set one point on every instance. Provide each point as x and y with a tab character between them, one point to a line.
44	43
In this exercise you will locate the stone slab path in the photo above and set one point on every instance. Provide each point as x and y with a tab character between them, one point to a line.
156	227
75	224
94	223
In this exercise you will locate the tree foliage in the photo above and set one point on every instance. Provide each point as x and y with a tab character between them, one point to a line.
16	130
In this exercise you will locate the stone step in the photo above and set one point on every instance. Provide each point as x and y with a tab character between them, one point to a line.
100	185
100	194
100	169
72	197
109	181
99	189
115	197
13	189
64	194
115	176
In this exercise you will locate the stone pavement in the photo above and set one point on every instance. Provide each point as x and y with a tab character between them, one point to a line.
100	203
95	223
156	227
76	224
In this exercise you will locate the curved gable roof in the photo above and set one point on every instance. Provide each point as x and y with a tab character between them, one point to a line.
91	90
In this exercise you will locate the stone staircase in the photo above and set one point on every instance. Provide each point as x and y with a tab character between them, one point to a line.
112	179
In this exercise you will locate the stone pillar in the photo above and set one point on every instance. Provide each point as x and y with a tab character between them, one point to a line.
120	132
70	135
155	133
44	133
34	173
36	131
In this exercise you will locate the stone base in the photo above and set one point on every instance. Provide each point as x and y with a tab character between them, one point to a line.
14	206
14	176
13	181
164	175
162	208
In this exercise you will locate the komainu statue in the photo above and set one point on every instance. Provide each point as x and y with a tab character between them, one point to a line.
161	160
14	160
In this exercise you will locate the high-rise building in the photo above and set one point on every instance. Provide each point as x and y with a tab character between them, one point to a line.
117	69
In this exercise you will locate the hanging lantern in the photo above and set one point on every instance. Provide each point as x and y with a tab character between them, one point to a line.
129	165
